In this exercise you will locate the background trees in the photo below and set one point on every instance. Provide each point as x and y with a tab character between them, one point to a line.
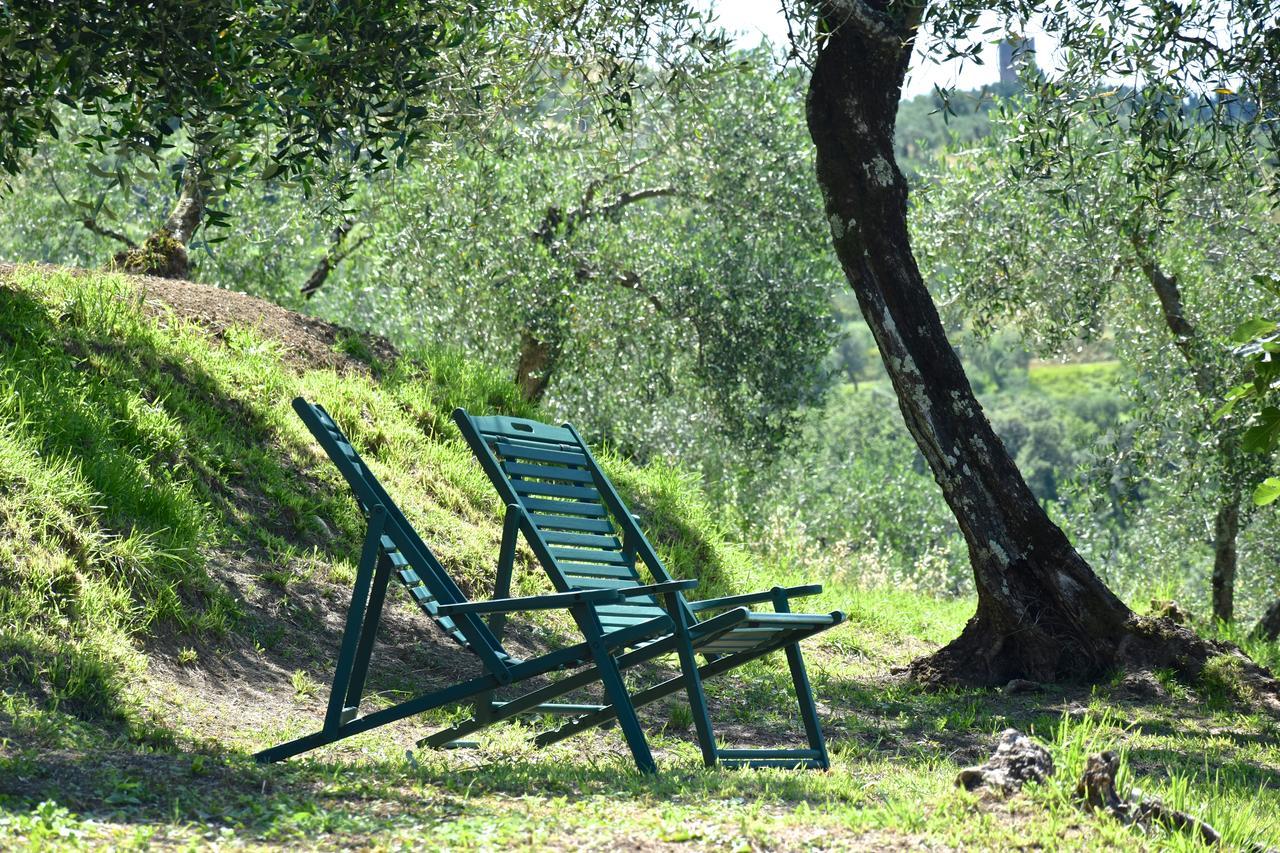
1070	256
235	89
287	90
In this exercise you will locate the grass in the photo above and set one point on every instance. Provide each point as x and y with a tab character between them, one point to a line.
1074	379
174	553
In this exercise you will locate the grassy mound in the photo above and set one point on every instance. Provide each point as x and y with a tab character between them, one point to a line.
142	461
176	556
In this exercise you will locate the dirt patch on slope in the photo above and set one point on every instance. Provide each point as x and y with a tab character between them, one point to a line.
307	342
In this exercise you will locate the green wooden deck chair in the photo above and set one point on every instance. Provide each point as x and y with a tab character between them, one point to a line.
587	541
393	550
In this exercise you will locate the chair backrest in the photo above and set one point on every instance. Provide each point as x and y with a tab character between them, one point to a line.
416	567
591	538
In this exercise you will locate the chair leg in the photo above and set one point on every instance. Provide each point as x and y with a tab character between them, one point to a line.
804	691
339	694
616	691
693	681
808	709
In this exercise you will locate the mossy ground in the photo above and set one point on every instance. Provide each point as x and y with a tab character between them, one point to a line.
174	560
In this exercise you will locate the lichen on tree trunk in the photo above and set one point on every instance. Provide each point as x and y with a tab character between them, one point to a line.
164	253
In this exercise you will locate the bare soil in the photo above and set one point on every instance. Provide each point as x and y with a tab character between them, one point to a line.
308	342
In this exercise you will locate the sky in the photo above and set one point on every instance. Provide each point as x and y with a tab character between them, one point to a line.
751	20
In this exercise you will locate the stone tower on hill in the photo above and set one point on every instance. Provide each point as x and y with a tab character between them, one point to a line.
1014	53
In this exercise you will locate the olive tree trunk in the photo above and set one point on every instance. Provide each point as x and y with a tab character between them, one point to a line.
1226	527
1268	627
164	253
1042	613
1194	350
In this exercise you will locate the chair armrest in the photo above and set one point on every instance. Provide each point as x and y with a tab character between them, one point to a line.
553	601
754	597
657	588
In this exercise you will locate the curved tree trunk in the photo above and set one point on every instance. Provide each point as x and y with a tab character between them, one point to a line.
1042	613
1187	339
164	253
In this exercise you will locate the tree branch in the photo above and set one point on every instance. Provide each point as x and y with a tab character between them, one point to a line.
555	219
1185	336
629	279
90	222
332	258
92	225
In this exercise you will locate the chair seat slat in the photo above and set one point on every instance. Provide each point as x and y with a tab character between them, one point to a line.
589	555
584	540
555	490
587	510
568	522
510	450
600	570
548	472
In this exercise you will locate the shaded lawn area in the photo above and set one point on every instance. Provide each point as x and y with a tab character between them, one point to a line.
895	749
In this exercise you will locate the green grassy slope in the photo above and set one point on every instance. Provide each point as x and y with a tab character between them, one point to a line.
175	555
134	447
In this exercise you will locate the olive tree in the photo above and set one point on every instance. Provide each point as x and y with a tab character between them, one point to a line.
665	282
1072	254
1042	612
315	93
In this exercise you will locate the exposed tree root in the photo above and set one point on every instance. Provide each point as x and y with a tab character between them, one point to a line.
1097	792
1019	759
980	659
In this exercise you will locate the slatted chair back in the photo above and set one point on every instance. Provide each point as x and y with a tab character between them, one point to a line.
592	540
413	563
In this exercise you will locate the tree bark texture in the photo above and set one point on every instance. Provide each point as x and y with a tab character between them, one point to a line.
536	365
1042	613
1268	627
1226	526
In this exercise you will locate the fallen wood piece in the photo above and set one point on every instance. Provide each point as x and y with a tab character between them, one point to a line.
1017	760
1097	789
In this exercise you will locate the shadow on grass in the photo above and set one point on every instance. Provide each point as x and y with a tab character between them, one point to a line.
869	724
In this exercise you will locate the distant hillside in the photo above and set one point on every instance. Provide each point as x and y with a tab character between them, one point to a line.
927	124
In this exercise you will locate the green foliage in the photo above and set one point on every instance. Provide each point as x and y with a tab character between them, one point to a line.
678	264
1262	432
930	125
1077	258
227	72
855	482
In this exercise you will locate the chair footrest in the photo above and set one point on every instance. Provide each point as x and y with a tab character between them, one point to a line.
461	744
781	763
557	708
810	759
